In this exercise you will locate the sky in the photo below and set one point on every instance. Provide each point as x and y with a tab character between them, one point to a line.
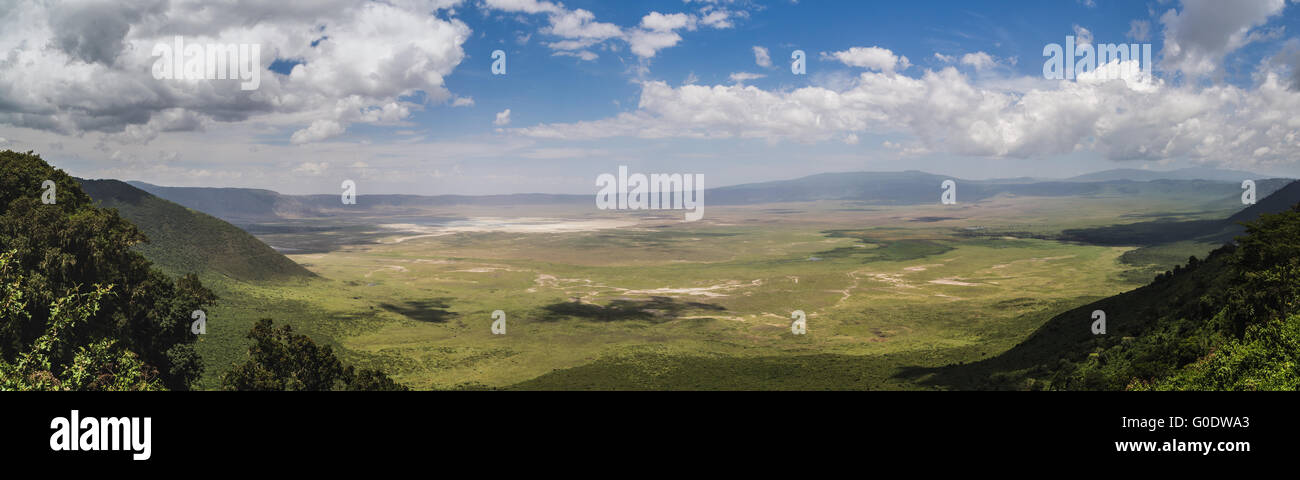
401	96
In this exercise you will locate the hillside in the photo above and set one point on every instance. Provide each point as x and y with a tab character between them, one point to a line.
1228	322
187	241
234	205
1276	202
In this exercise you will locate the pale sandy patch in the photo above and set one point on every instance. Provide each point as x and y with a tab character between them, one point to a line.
395	268
893	279
508	225
712	291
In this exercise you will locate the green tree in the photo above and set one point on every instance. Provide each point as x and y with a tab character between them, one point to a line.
101	365
1267	264
282	360
63	248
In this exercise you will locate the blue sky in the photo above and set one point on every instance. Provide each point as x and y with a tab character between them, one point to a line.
399	95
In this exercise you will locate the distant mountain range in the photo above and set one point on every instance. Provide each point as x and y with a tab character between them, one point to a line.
244	206
1195	173
247	205
182	240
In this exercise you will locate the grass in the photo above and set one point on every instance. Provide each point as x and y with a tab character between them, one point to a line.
705	304
891	293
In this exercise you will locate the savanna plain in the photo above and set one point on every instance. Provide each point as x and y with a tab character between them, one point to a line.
644	300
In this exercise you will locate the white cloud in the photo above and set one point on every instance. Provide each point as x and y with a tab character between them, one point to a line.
944	111
319	130
741	77
525	6
978	60
873	58
503	118
646	43
581	25
1197	39
666	23
584	55
86	66
761	57
579	30
312	168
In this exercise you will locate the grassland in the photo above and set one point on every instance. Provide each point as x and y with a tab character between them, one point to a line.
653	302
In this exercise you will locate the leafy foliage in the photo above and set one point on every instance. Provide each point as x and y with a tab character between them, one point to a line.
98	366
62	248
1266	358
282	360
1226	322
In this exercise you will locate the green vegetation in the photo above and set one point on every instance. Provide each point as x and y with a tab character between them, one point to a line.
65	249
993	293
1228	322
184	241
98	366
82	309
282	360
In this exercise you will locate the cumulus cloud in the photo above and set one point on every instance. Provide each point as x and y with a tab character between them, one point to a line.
1135	117
761	57
873	58
1197	38
666	23
86	65
658	31
503	118
578	30
978	60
